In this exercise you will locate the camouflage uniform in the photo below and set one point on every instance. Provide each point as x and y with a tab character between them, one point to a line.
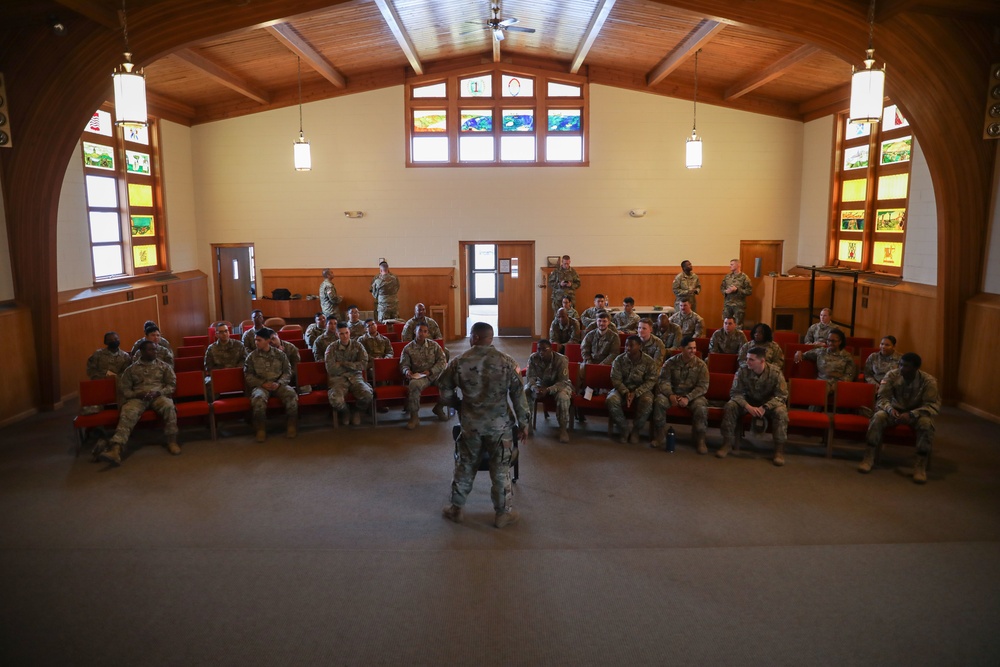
329	301
104	360
426	358
655	348
670	336
593	327
691	324
572	313
684	379
833	366
689	286
775	355
269	366
589	317
638	377
385	289
817	333
313	331
723	343
564	334
877	365
735	304
919	397
410	329
345	368
294	358
487	378
550	379
224	355
162	353
248	339
626	322
163	341
600	348
137	380
324	341
556	292
377	347
357	329
768	390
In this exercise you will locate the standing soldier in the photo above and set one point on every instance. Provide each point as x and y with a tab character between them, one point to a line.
548	375
683	383
728	339
736	287
421	362
488	379
563	282
385	289
686	284
329	301
147	384
633	375
759	389
267	374
346	363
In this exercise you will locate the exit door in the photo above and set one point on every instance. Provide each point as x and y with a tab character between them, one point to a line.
757	259
234	266
515	288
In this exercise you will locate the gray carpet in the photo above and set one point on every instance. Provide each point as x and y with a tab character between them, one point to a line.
329	549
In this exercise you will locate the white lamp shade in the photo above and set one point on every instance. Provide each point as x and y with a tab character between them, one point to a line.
693	152
867	94
130	96
303	157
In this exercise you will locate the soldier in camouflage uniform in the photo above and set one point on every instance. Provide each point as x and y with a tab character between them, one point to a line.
879	363
294	357
385	289
225	352
564	329
162	353
908	396
759	389
817	333
736	287
761	336
376	345
563	282
424	358
668	332
420	317
686	284
633	375
346	362
683	383
315	330
257	316
267	373
147	384
329	300
728	339
651	345
148	326
589	316
567	304
109	361
548	375
326	339
488	379
691	323
354	322
833	363
601	345
627	320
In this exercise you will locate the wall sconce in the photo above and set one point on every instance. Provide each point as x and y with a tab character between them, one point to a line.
637	213
354	215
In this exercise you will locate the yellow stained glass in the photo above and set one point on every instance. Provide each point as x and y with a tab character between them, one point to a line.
888	254
140	195
854	190
850	251
893	187
144	256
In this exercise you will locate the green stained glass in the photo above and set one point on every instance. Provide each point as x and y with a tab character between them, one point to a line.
477	121
518	120
564	120
890	220
143	256
137	163
854	190
140	195
852	221
897	150
98	156
142	225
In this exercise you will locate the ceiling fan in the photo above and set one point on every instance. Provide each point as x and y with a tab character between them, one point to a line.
497	26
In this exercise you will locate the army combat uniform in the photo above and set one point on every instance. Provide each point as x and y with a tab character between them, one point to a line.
139	379
655	348
767	390
670	335
691	324
162	353
103	361
735	304
557	292
163	341
920	400
684	379
626	322
345	368
385	289
635	377
224	355
410	329
832	366
329	300
817	333
551	379
427	358
686	286
377	347
564	334
249	336
357	329
877	365
312	332
725	343
775	355
598	348
270	366
324	341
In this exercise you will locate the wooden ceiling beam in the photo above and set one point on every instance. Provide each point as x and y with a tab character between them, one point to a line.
399	32
590	36
834	96
160	102
770	73
285	34
98	13
222	75
496	48
694	40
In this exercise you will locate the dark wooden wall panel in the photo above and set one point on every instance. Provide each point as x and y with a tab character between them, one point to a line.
19	388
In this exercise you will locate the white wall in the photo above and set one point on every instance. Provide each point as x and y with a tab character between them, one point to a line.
6	275
920	253
814	212
991	283
73	262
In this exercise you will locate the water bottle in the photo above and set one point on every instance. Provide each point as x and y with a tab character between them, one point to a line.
671	440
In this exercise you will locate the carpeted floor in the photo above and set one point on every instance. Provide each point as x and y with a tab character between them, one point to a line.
330	549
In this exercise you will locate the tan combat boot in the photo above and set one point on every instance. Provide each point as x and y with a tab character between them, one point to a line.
413	423
504	519
779	454
727	446
659	437
441	412
700	445
173	447
261	430
626	432
920	470
356	418
453	513
868	462
113	454
291	427
563	434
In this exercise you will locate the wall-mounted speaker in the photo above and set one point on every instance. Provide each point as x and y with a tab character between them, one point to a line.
5	136
991	126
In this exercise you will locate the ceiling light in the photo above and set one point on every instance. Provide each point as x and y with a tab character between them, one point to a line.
868	84
130	87
302	155
693	146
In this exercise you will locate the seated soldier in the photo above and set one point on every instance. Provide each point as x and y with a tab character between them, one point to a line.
879	363
833	363
668	332
548	375
324	340
601	345
761	336
651	345
817	333
376	345
759	389
633	376
294	358
627	320
589	316
728	339
683	382
225	352
564	329
250	334
315	330
593	326
908	396
162	353
109	361
145	385
420	317
690	322
346	363
567	303
146	326
354	322
268	373
421	362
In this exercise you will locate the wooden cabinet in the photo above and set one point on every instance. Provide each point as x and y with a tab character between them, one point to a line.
785	301
292	309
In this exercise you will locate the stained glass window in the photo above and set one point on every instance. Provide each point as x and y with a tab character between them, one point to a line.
137	163
564	120
854	190
142	225
887	254
850	250
856	130
98	156
138	135
890	220
892	118
140	195
856	157
100	123
563	90
517	86
852	221
143	256
893	187
477	121
102	192
897	150
477	86
518	120
435	120
433	90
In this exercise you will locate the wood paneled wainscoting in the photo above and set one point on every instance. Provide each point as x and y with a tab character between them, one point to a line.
980	364
179	306
19	389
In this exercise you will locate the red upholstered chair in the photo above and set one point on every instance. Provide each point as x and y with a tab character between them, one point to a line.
197	340
101	392
291	335
291	327
802	395
598	378
722	363
850	398
784	338
702	344
390	386
229	385
858	342
397	348
709	331
313	373
805	369
719	386
393	336
573	353
189	399
188	364
190	351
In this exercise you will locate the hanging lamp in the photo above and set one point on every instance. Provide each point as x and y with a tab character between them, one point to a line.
130	87
302	155
693	145
868	84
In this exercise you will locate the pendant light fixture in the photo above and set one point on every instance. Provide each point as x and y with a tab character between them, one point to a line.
693	146
868	84
130	87
303	158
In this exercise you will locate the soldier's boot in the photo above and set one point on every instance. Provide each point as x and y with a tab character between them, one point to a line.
699	444
261	430
414	422
291	427
99	446
441	412
779	454
626	432
113	454
344	416
633	437
173	447
563	434
356	418
453	513
504	519
920	469
869	461
727	446
659	436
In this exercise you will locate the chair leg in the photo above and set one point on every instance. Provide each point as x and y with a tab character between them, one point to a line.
211	424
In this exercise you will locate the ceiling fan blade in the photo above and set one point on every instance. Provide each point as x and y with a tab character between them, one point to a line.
517	29
474	30
507	22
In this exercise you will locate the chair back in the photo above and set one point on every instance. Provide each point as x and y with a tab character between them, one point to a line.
306	355
719	386
573	352
702	344
244	325
722	363
397	348
99	392
228	381
574	372
188	364
274	323
290	334
386	371
190	384
807	393
784	338
858	342
312	373
190	351
597	376
292	327
197	340
854	395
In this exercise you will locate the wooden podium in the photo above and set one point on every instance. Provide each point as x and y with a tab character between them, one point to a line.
785	301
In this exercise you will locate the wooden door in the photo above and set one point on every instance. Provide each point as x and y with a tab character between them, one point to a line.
769	255
516	288
234	279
